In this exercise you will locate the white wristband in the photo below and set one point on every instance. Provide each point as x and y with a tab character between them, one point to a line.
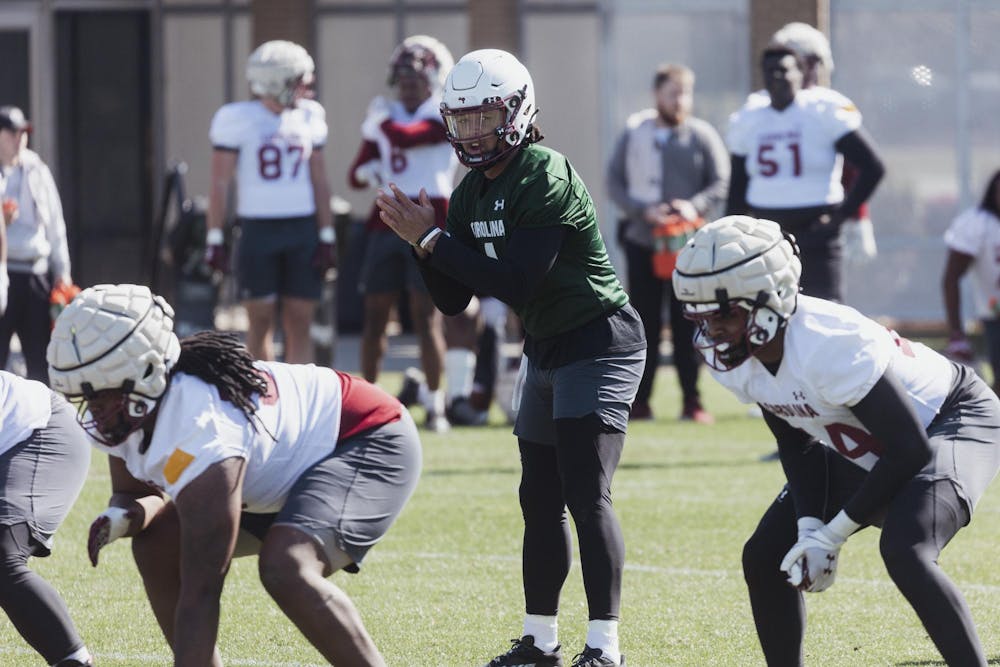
119	522
214	236
430	236
842	525
327	235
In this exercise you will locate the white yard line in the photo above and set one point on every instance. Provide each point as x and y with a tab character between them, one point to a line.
671	571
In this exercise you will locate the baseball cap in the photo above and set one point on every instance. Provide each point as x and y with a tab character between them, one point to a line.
12	118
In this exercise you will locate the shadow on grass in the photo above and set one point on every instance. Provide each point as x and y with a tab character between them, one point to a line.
645	465
460	472
687	465
995	660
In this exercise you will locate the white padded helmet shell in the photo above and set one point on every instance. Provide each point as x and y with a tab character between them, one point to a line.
113	337
739	258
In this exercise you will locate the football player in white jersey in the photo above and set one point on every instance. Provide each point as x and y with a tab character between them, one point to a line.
214	455
272	147
787	158
856	233
973	241
44	459
404	141
872	429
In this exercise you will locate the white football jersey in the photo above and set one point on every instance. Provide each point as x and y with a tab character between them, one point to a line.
25	405
977	233
762	98
790	156
428	166
272	171
297	424
833	356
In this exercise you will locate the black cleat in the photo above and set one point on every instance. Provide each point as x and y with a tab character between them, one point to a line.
410	393
524	653
462	413
594	657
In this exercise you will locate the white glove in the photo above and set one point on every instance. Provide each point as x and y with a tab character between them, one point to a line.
811	564
369	173
109	525
808	524
522	375
858	238
378	113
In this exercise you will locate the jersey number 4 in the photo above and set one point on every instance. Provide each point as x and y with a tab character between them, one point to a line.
767	164
853	442
269	162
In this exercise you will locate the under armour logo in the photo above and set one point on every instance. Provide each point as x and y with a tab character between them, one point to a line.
799	395
498	205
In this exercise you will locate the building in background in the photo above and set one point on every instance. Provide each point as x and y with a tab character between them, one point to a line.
120	89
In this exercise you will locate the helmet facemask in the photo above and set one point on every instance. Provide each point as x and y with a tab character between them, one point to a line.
730	347
110	416
738	265
473	125
414	61
423	56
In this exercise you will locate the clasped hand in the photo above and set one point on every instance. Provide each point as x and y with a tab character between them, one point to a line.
811	564
409	219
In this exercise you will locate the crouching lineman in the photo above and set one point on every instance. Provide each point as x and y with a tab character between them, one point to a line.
872	429
305	466
44	458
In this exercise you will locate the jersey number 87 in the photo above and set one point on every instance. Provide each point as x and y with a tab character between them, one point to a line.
269	160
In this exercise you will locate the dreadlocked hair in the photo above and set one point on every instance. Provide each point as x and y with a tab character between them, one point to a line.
220	359
534	135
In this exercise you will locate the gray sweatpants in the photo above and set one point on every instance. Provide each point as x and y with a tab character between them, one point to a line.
41	476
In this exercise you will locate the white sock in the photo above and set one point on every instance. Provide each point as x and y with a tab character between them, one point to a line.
459	367
434	401
545	630
604	635
81	655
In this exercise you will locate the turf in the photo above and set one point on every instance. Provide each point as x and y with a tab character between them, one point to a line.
444	586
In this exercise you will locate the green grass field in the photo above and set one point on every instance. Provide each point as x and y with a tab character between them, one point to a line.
443	588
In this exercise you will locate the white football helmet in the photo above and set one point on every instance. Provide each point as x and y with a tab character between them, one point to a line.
114	338
277	68
488	93
422	54
805	40
738	261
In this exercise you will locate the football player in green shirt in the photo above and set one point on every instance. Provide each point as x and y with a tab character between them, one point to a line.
522	228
